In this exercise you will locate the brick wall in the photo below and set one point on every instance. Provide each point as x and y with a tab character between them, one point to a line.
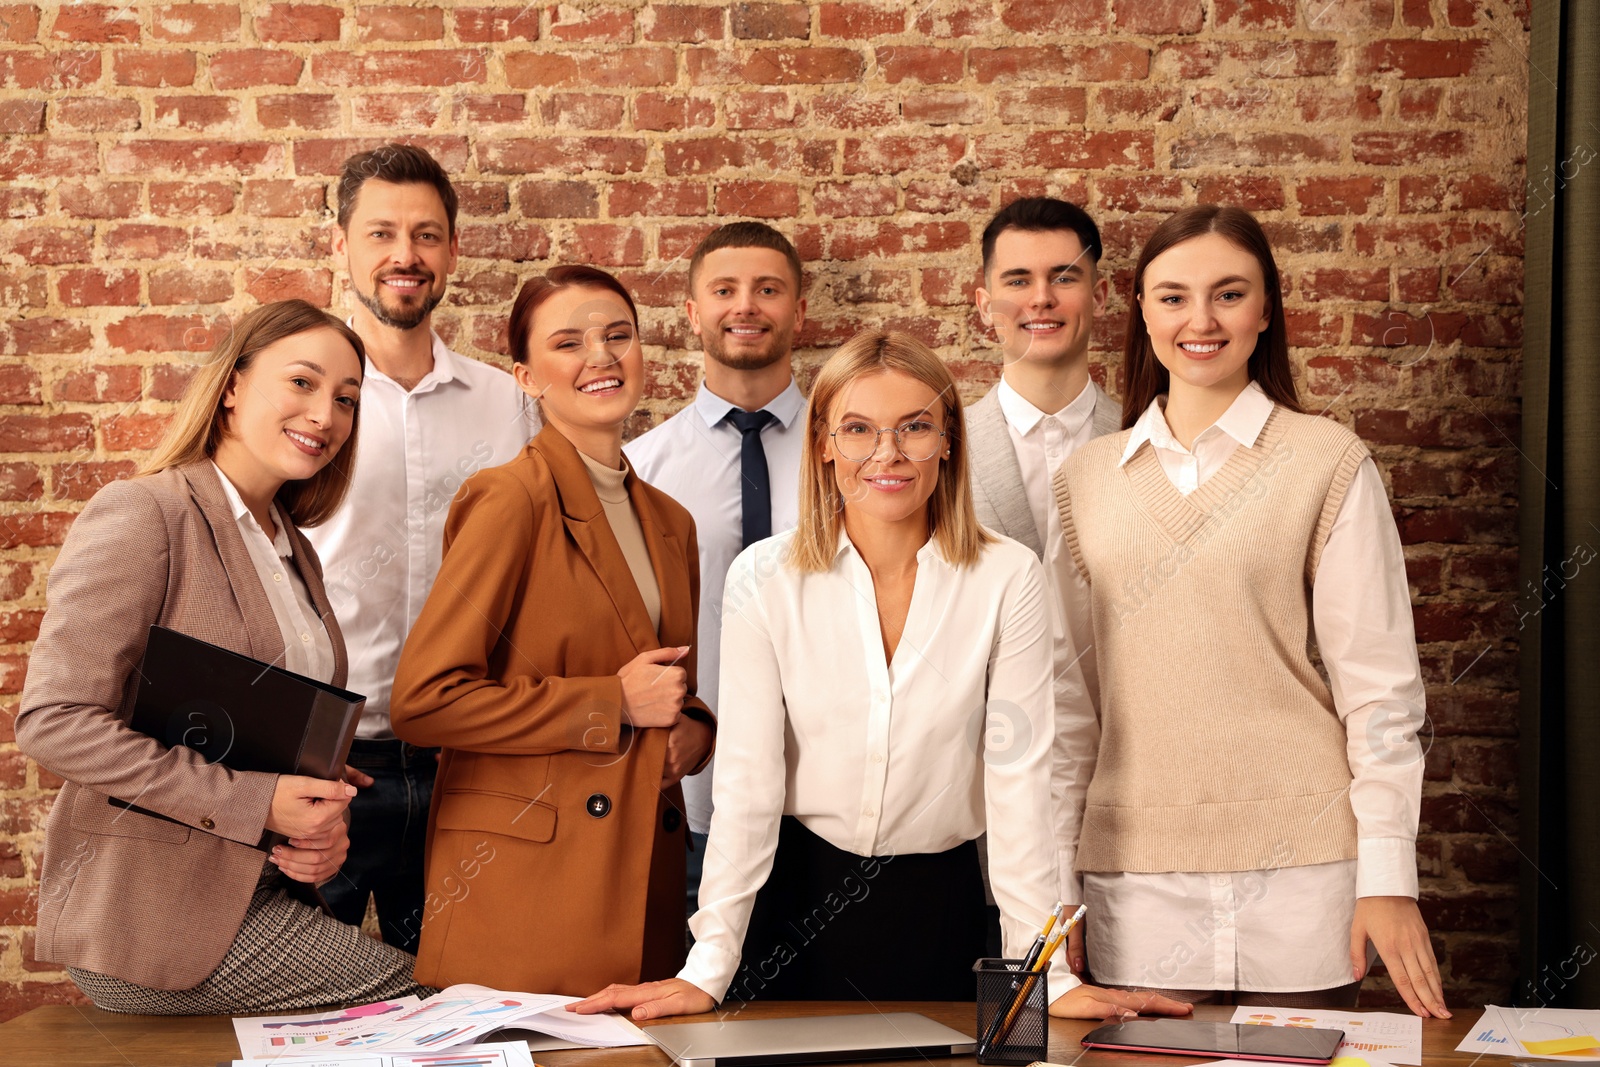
165	166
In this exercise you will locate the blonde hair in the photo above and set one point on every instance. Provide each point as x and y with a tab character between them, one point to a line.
952	522
200	423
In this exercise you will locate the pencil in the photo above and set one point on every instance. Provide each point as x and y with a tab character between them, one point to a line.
1028	964
1039	965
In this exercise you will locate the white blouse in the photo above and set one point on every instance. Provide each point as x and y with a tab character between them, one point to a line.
917	755
1288	928
307	648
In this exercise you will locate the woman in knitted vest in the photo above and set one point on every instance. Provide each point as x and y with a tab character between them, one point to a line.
1249	824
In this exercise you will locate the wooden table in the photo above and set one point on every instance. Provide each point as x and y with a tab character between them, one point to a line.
68	1036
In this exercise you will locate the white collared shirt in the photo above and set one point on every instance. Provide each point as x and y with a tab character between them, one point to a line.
912	756
693	457
380	552
1042	443
307	648
1248	930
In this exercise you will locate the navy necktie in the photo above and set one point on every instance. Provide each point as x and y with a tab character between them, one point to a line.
755	485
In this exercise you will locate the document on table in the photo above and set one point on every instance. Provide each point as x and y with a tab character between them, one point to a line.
1567	1034
459	1015
1375	1037
499	1054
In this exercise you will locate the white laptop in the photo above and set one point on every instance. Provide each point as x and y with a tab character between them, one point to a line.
817	1039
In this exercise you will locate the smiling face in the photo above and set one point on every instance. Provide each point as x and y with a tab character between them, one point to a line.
584	365
1041	295
290	411
746	307
399	251
886	486
1204	303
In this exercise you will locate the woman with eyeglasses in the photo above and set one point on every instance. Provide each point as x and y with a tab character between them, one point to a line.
886	695
552	665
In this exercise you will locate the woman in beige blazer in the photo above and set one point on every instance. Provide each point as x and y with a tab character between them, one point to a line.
552	664
172	906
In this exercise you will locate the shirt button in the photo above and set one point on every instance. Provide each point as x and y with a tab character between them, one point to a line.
877	757
868	813
1219	880
305	637
277	577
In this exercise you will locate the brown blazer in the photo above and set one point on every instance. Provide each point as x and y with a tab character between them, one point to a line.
152	902
555	862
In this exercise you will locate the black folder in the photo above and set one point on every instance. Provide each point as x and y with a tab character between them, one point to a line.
241	712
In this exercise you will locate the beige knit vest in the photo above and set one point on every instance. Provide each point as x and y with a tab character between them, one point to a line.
1220	749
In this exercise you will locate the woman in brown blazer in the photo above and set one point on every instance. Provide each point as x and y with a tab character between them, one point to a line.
552	664
173	906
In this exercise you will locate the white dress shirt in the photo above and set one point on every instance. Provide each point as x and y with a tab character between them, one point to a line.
307	648
1042	443
380	552
1284	929
693	457
916	755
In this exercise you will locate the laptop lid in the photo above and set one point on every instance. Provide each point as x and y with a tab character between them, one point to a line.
817	1039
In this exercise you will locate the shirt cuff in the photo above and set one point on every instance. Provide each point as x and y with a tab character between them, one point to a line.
710	969
1386	867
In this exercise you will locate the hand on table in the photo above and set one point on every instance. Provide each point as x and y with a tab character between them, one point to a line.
651	1000
1395	926
687	744
313	859
1093	1002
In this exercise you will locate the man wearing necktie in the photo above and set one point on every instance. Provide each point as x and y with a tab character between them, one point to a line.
732	456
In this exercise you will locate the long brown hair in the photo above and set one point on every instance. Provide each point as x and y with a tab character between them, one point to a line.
1144	378
952	522
201	421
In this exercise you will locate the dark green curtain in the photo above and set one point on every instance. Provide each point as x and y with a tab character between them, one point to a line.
1560	514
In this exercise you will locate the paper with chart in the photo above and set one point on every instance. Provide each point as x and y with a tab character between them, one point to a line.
459	1015
1564	1034
1375	1036
499	1054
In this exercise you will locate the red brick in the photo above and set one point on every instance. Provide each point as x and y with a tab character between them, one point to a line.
1408	149
97	113
480	200
1345	283
18	202
283	198
614	155
194	157
297	111
845	199
48	245
1335	105
560	199
19	384
657	198
1053	17
683	23
574	24
893	153
299	23
606	245
944	109
189	285
169	380
21	481
1240	61
80	481
441	67
21	116
945	197
153	333
758	199
100	384
802	66
408	111
672	111
311	284
20	288
1144	193
327	155
99	23
860	21
50	158
1110	62
195	22
1423	59
1348	15
491	25
919	63
1119	104
1250	193
399	24
46	433
1256	149
610	69
1068	148
1044	105
96	287
1420	101
763	110
196	112
1339	196
853	241
958	19
148	69
1256	14
699	155
1157	17
516	242
769	22
850	111
491	109
19	23
584	111
44	336
134	433
247	68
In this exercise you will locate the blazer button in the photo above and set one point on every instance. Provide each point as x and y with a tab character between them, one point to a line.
207	824
671	820
599	805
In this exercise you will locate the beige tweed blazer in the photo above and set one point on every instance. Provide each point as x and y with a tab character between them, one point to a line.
145	899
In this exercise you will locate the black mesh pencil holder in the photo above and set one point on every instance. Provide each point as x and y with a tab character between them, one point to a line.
1013	1013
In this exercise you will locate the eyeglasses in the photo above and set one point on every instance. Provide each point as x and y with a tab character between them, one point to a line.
917	440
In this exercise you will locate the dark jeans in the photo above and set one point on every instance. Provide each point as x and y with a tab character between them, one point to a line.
388	829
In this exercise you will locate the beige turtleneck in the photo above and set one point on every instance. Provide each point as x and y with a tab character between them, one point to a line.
610	486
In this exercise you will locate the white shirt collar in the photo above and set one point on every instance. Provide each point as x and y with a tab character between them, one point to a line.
241	513
1243	421
1022	415
928	551
786	406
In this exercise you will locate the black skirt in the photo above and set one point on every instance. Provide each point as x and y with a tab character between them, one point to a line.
831	925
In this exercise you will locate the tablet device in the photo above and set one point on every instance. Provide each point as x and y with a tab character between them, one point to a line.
816	1039
1191	1037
